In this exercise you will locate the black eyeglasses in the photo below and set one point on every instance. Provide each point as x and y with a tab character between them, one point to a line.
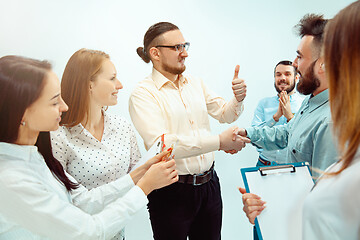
177	47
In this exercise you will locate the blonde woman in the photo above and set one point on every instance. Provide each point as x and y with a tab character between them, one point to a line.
93	146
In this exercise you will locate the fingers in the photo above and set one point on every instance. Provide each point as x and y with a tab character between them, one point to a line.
236	74
238	85
162	154
242	190
245	139
253	205
235	131
251	216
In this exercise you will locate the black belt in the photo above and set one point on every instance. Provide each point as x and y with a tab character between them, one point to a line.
265	162
197	179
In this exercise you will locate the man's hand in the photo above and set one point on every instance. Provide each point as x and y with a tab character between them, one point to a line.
231	142
279	112
284	101
253	205
240	132
238	85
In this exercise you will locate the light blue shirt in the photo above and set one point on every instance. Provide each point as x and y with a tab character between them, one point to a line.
263	116
308	135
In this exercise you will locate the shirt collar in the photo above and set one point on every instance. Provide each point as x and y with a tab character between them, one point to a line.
78	129
22	152
160	80
318	100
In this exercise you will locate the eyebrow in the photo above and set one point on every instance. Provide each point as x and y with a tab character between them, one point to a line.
57	95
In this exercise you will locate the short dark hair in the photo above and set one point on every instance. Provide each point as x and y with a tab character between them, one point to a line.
312	25
285	62
150	37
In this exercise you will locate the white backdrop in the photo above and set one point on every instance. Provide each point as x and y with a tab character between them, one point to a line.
254	34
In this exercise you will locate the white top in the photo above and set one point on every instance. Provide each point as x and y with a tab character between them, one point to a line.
331	210
157	106
34	205
91	162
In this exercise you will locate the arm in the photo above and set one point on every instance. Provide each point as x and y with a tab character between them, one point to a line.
151	175
134	149
259	119
269	138
149	120
325	148
218	108
58	144
33	204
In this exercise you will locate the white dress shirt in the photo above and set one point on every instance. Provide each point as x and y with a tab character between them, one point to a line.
158	106
92	162
35	205
331	210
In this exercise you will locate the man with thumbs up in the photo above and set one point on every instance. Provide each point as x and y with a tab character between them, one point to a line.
176	105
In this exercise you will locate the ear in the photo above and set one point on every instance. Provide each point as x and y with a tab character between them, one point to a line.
297	77
322	68
154	53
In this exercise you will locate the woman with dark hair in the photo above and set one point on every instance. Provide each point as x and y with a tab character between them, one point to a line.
331	210
38	199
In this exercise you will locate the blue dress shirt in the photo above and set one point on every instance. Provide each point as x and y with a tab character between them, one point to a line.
263	116
308	135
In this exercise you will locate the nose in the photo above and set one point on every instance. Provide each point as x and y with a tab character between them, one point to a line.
118	85
184	53
63	106
295	62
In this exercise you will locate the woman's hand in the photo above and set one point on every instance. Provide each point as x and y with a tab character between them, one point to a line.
159	175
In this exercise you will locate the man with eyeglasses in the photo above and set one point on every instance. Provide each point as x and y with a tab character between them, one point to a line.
308	136
278	110
175	106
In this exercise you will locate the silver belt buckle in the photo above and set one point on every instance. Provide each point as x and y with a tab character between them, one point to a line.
194	181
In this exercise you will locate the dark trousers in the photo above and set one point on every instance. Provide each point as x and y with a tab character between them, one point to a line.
182	210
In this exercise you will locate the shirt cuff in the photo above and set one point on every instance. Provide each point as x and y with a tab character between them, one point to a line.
210	143
237	106
271	122
250	132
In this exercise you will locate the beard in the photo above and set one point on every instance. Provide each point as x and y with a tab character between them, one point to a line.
173	70
308	82
288	90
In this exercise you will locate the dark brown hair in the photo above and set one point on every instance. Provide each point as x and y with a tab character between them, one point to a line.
82	68
342	67
22	81
286	63
151	36
312	25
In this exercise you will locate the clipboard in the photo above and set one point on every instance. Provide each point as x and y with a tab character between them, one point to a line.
283	187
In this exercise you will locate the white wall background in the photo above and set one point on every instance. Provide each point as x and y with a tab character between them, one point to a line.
255	34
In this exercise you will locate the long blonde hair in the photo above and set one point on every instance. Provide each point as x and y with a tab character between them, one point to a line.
342	64
82	68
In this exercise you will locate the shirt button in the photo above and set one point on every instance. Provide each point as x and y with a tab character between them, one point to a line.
302	112
294	151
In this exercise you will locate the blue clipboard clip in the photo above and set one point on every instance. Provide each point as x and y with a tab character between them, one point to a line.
262	170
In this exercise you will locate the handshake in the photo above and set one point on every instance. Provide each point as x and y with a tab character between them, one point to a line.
233	140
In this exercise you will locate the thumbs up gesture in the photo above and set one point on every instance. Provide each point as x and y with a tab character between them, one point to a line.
238	86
